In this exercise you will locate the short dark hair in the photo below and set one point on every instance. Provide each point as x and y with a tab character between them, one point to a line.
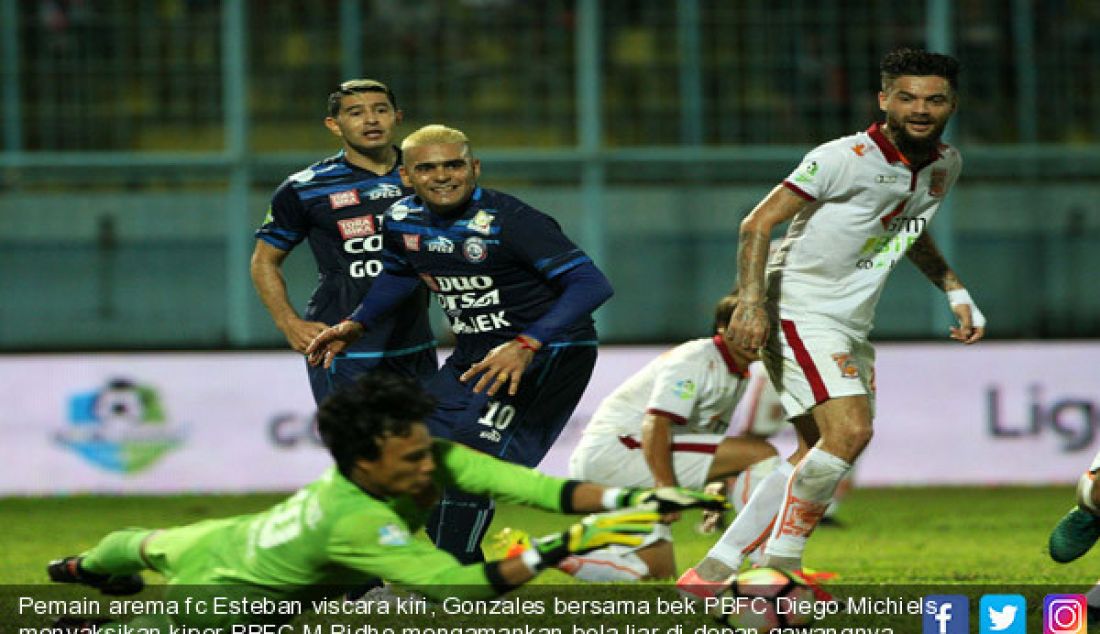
916	61
724	310
353	420
356	86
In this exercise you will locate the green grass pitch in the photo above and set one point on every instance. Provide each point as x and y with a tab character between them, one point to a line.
905	535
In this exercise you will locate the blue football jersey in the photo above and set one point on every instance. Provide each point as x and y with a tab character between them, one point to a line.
492	267
339	208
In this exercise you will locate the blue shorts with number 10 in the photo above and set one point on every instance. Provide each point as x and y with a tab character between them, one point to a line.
520	428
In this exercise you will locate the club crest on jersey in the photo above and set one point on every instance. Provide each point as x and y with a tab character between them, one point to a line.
412	241
474	249
343	199
847	365
937	185
441	244
398	212
384	190
481	222
357	227
392	535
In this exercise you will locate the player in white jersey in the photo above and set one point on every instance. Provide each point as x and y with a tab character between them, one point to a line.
856	206
666	426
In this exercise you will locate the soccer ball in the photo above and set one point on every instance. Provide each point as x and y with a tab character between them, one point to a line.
765	598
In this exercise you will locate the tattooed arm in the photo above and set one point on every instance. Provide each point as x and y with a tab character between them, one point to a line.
930	262
748	325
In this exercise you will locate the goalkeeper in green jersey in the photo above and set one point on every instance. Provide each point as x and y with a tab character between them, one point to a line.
355	523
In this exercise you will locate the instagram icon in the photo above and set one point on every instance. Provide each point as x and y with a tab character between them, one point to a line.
1064	614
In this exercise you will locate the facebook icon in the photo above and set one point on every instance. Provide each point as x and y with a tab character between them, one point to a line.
945	614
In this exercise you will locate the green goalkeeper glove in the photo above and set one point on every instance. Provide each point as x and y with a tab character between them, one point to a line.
627	527
671	499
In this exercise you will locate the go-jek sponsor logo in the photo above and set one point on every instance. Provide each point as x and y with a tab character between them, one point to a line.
1003	614
121	427
945	614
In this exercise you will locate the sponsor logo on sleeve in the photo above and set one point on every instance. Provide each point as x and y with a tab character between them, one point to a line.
342	199
481	222
684	389
357	227
859	149
398	212
807	172
392	535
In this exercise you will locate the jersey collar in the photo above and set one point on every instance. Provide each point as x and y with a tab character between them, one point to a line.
731	365
342	155
890	152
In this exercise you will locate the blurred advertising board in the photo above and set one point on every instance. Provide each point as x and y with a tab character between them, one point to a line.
995	413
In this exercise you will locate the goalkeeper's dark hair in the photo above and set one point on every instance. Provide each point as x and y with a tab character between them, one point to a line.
723	311
354	420
919	62
356	86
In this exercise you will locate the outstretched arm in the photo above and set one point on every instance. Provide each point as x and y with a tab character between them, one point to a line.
385	292
928	259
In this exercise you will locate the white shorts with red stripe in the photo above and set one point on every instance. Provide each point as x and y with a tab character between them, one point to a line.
619	461
810	363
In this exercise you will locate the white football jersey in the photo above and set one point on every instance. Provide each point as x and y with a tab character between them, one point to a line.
868	206
696	384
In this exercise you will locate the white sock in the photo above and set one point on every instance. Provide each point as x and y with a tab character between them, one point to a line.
749	479
809	491
753	523
613	563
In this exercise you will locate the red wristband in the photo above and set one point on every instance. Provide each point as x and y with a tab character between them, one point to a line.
525	343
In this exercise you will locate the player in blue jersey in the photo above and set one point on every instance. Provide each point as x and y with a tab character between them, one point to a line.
337	204
519	295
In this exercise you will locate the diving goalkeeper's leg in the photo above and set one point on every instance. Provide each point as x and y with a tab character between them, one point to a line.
112	565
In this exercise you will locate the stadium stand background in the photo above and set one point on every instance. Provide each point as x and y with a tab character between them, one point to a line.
140	141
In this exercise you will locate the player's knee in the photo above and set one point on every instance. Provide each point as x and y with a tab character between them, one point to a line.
860	435
847	440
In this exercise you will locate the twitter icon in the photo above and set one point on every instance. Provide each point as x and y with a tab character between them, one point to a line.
1003	614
